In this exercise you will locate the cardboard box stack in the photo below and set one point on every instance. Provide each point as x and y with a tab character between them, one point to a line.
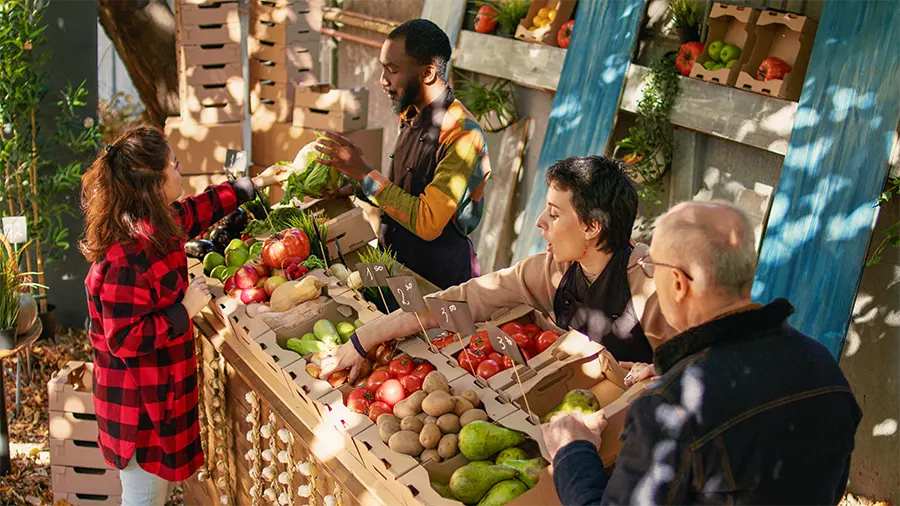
79	473
734	25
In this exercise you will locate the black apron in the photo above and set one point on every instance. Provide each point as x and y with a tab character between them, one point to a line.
603	310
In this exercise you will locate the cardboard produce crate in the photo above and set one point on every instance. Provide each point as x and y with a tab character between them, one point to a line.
68	425
201	149
207	13
71	452
336	110
209	34
346	222
270	101
786	36
301	54
192	185
88	499
211	55
548	34
306	13
70	388
733	24
83	480
282	33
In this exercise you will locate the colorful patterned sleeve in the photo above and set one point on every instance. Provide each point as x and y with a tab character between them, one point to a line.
196	213
458	172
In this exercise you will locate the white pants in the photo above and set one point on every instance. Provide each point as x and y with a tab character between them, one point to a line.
140	488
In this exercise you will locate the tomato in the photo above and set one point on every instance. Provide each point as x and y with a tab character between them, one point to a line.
469	359
441	342
527	354
422	370
524	342
543	341
411	383
360	393
360	406
391	392
564	36
376	379
377	409
531	330
504	361
282	245
512	328
485	19
488	368
401	366
481	342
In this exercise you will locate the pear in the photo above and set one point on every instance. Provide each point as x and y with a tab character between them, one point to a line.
503	492
470	483
442	490
511	454
583	401
477	463
529	470
479	440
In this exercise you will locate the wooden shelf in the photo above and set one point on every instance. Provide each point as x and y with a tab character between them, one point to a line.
721	111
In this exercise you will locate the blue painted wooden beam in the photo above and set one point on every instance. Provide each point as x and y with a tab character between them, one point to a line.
587	98
835	167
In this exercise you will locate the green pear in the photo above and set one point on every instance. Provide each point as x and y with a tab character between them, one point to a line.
235	244
470	483
730	53
503	492
529	470
715	49
480	440
583	401
477	463
511	454
442	490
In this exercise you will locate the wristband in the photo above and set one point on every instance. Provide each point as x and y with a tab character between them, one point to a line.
357	346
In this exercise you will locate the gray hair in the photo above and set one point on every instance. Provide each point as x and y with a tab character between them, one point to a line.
721	252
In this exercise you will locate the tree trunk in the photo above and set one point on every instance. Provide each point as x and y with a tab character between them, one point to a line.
143	33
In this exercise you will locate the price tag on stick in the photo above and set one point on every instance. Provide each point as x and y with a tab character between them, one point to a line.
454	316
373	275
504	345
406	290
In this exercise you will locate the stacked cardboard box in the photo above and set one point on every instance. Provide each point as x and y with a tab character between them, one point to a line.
327	109
80	475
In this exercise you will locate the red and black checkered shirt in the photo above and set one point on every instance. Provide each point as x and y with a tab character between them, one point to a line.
145	372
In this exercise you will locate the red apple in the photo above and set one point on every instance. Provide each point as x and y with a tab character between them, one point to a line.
246	277
253	294
229	285
260	266
274	282
262	282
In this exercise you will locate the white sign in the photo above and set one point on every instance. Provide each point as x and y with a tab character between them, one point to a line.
15	229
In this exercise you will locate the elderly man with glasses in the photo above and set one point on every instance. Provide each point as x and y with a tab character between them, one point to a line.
746	410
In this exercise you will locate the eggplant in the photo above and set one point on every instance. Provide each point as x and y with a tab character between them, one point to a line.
220	238
236	222
198	248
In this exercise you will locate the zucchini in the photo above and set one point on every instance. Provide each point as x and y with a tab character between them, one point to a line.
325	331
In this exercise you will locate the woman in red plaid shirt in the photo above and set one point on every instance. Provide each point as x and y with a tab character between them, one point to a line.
141	304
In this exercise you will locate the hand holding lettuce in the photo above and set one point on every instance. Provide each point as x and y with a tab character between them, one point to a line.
310	177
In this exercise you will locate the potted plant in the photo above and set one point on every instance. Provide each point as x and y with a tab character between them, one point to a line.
17	308
685	15
492	104
39	183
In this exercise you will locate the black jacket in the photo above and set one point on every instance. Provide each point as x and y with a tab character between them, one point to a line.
748	411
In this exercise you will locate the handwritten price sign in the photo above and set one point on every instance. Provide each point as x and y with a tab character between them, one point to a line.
504	345
454	316
373	275
406	290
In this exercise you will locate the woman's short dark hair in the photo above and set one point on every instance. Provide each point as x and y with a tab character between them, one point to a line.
602	193
425	43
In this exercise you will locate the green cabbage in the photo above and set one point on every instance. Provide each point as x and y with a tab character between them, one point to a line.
311	178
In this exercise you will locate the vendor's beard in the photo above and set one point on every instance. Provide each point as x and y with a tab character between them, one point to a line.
407	97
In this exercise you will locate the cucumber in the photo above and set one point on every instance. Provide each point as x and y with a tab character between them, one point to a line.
309	336
325	331
305	347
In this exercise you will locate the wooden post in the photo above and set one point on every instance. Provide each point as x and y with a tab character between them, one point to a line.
587	98
824	209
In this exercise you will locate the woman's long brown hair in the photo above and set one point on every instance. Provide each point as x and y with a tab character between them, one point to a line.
123	195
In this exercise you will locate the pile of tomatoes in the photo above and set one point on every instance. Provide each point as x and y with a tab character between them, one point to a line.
479	356
388	385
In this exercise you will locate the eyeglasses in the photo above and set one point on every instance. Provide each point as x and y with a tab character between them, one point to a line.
649	267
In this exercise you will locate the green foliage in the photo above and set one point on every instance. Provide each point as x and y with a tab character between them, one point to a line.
685	13
493	104
892	234
370	255
36	182
12	282
314	227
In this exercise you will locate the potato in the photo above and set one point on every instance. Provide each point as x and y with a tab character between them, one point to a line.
430	419
384	417
422	416
406	442
472	415
411	406
462	405
412	423
430	436
388	427
430	454
472	396
448	446
434	382
449	423
437	403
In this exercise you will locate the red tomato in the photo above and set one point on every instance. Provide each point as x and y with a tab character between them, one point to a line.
422	370
391	392
360	393
441	342
543	341
469	359
376	379
485	19
401	366
481	342
377	409
512	328
524	342
358	401
411	383
532	330
527	354
504	361
488	368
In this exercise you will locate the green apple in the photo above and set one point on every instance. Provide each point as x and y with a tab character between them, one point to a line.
718	66
235	244
218	272
730	64
237	257
211	261
256	249
715	48
729	53
230	270
710	64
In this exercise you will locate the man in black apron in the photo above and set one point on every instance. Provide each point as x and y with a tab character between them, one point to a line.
434	197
